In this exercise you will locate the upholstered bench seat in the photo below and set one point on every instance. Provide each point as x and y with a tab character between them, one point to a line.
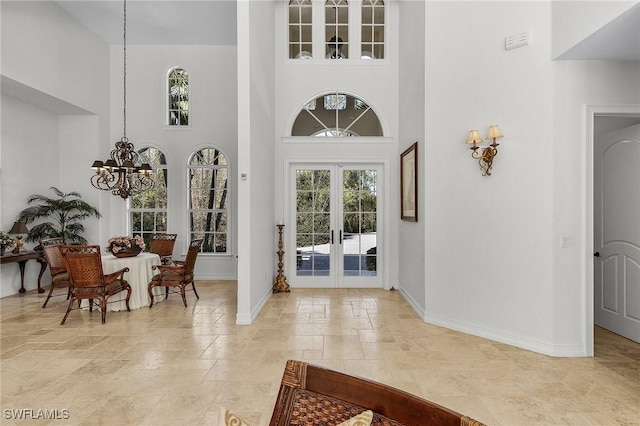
313	408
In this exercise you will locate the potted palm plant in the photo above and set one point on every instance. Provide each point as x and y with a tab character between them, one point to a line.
65	213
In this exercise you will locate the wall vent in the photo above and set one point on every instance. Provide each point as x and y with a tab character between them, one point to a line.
516	41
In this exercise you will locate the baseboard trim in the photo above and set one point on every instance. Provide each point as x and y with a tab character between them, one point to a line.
216	277
415	306
244	319
554	350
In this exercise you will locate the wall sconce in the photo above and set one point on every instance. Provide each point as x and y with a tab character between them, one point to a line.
486	156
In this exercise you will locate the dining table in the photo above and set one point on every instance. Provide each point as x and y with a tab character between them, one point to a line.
140	273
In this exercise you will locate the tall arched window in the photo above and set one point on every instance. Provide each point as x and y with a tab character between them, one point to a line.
336	18
148	210
373	21
300	26
336	115
208	199
178	97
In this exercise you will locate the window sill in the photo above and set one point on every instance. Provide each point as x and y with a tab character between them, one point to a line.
336	62
222	256
169	127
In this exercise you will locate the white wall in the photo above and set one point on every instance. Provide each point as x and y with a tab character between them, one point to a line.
573	21
41	30
411	119
261	22
256	235
24	127
488	238
374	81
212	117
41	48
44	48
577	85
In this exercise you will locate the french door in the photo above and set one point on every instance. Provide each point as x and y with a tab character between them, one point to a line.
336	225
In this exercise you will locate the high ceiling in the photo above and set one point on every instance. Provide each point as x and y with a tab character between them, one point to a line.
619	40
199	22
213	22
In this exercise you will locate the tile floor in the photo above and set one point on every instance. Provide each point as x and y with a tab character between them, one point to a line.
175	366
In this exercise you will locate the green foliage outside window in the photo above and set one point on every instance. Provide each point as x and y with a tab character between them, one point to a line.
208	218
178	97
148	210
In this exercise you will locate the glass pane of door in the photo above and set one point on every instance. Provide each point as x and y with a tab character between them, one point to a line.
359	223
337	215
313	222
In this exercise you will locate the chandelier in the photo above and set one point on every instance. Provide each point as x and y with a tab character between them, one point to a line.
122	173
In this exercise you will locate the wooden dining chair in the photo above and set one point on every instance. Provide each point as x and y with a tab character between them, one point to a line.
180	274
314	395
59	274
162	245
84	264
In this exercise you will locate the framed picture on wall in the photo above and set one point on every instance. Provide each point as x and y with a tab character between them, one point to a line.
409	184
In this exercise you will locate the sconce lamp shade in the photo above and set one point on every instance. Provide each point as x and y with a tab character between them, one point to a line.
474	137
485	154
494	133
19	228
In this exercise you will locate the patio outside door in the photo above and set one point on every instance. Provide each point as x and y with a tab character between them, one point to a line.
337	217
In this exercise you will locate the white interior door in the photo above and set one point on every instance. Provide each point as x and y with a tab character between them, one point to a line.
336	225
617	232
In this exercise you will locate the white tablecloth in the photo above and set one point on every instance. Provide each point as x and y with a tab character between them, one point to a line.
139	275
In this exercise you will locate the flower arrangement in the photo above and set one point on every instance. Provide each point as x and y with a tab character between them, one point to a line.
117	245
5	240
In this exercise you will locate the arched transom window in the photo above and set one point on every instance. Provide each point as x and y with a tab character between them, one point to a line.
208	199
178	97
336	115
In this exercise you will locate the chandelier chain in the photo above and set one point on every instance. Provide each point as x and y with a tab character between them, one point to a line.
124	70
122	173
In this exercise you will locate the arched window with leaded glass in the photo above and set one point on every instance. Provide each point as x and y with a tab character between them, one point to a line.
336	115
178	97
148	210
209	199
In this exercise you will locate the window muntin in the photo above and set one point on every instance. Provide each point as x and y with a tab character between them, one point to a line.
208	199
336	29
300	29
373	23
148	210
178	97
336	115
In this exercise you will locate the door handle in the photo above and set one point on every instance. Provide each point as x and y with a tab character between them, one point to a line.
341	236
332	236
596	254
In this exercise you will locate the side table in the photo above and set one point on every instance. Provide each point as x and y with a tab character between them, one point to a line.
21	259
